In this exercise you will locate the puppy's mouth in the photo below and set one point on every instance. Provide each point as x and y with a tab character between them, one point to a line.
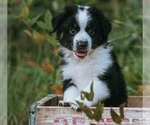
81	54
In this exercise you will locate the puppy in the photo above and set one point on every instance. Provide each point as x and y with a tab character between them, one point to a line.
87	57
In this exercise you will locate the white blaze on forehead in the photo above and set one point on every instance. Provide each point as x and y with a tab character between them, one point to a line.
82	16
86	7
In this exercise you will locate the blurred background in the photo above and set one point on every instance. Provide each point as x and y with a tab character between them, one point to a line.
33	61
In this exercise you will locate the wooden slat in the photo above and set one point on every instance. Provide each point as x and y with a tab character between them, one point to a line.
49	113
133	101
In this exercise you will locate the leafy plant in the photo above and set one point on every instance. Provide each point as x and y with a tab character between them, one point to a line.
96	113
118	118
88	96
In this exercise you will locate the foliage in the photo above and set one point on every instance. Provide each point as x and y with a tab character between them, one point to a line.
33	61
89	96
96	113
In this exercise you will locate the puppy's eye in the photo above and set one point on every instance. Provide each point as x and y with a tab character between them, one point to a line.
91	32
73	31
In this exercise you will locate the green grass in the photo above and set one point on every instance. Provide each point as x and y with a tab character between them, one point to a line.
27	84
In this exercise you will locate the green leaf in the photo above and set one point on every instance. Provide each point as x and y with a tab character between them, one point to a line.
121	110
50	39
47	17
29	2
88	112
42	25
81	105
91	93
116	118
28	33
88	96
40	38
85	95
33	20
98	111
100	106
118	22
24	12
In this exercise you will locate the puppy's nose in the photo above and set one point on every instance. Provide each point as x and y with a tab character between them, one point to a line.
82	45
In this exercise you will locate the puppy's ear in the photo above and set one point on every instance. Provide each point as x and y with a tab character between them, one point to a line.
103	22
60	18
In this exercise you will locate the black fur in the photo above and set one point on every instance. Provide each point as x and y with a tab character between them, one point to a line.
101	23
114	79
63	22
98	28
60	18
67	83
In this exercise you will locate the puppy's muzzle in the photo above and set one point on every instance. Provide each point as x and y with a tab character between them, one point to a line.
82	45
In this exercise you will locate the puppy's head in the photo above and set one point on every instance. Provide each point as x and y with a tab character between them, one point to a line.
81	29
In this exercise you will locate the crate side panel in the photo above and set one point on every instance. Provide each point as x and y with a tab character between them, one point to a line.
67	116
50	100
135	101
57	116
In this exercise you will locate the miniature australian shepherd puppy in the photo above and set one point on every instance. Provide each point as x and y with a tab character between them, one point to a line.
87	57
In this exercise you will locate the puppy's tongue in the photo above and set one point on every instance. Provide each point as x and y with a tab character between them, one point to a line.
81	53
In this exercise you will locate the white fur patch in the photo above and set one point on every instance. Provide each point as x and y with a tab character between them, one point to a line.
68	96
85	71
82	18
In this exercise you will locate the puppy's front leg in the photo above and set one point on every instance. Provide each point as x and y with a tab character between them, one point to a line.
100	90
69	95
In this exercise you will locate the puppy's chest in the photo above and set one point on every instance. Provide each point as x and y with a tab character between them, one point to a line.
82	72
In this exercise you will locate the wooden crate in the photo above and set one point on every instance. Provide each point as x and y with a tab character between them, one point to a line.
47	112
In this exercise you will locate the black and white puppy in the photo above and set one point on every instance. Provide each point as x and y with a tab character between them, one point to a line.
86	57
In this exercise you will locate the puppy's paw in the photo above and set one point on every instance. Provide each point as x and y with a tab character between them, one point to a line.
79	104
63	103
75	106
